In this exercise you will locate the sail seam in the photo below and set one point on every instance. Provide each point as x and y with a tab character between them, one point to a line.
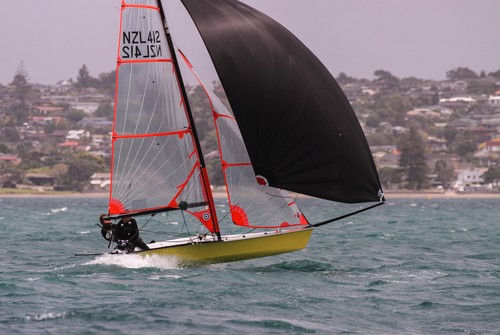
237	164
170	133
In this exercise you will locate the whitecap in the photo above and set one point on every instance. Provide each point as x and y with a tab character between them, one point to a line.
132	261
57	210
85	232
45	316
158	277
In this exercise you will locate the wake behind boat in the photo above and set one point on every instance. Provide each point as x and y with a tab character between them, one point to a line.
291	129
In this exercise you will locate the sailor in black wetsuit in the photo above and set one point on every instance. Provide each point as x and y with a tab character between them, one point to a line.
125	232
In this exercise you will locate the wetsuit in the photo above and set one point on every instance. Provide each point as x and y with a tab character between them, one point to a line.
125	231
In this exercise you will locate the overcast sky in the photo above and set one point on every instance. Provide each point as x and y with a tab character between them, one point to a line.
421	38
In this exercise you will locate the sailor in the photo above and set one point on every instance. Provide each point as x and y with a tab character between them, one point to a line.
125	233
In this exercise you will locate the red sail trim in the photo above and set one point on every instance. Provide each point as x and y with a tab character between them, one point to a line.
204	217
212	224
226	116
239	216
214	227
114	109
237	164
170	133
126	5
182	186
148	209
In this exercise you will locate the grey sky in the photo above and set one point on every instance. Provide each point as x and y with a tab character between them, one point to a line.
423	38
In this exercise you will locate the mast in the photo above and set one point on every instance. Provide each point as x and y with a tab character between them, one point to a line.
203	169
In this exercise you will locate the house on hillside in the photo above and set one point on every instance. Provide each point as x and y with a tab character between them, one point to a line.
100	182
10	159
426	113
95	122
85	106
490	146
469	178
77	135
40	179
47	110
494	100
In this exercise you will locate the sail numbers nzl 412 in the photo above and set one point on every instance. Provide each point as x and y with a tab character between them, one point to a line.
140	44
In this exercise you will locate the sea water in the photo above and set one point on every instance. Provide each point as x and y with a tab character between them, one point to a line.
413	266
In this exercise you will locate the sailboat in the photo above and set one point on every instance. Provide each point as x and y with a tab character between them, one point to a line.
290	129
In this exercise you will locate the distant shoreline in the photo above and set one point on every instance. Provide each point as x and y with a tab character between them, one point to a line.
221	195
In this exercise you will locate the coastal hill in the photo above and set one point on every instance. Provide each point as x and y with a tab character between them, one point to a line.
425	135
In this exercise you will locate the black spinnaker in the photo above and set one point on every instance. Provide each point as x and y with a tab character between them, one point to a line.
300	130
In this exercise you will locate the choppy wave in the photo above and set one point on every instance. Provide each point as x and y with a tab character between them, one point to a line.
413	267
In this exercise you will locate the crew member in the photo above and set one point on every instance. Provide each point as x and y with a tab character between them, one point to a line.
125	231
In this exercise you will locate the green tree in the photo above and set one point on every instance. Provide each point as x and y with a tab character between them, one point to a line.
464	145
75	115
373	121
9	134
80	168
4	149
413	160
389	177
107	82
11	175
461	73
343	79
495	74
386	79
481	87
105	110
444	173
84	79
20	83
492	175
392	108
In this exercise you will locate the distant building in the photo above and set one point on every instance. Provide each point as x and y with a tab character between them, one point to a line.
95	122
100	182
494	100
10	159
85	106
47	110
470	177
77	135
490	146
39	179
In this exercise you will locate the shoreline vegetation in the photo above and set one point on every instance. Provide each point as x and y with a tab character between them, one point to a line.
19	193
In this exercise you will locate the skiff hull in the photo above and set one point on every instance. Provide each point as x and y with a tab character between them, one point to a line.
232	247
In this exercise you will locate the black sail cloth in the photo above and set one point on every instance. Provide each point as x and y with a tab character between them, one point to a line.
300	130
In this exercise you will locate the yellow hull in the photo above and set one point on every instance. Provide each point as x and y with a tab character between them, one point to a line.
232	248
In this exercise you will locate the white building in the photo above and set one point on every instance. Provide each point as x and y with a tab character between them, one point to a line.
469	178
494	100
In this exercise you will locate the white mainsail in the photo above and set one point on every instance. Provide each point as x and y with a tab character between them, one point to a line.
155	161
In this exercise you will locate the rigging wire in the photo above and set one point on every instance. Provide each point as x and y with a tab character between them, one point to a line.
346	215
